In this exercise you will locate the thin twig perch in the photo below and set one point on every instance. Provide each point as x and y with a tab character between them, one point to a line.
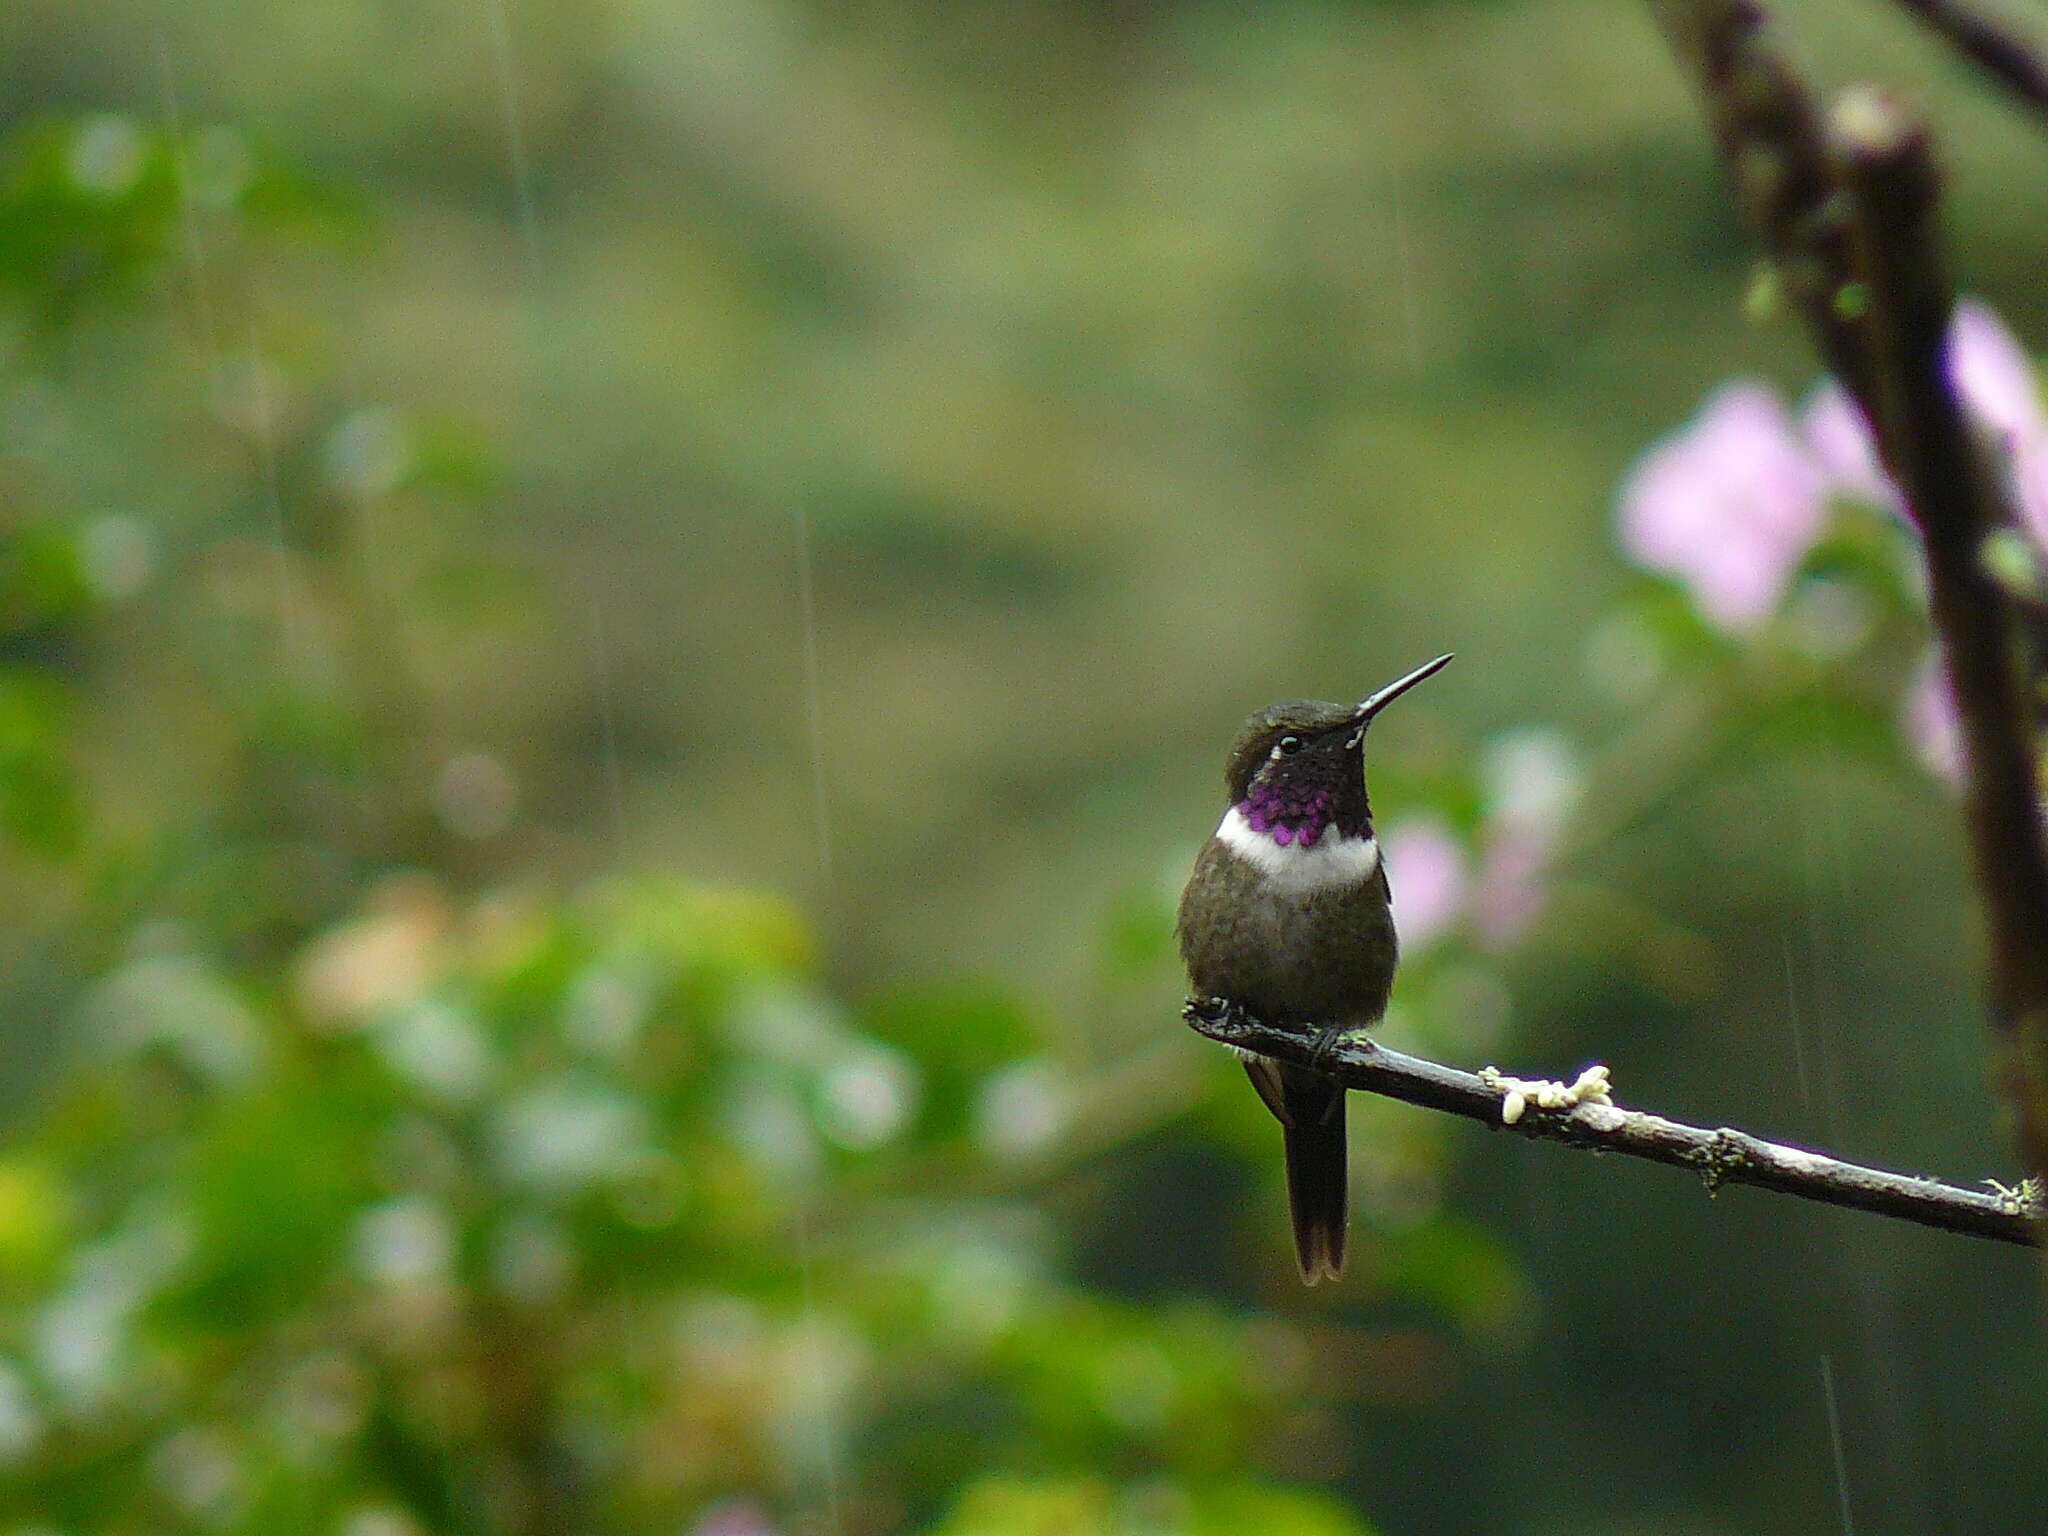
1720	1156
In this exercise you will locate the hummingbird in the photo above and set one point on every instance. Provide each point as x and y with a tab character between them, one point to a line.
1288	914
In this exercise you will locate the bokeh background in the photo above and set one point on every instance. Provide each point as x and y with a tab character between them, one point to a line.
617	621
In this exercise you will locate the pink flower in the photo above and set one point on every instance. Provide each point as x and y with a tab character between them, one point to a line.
735	1517
1514	884
1995	381
1533	782
1930	724
2030	488
1426	869
1995	378
1729	505
1993	374
1840	440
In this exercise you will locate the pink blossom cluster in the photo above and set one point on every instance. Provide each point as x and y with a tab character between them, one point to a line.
1731	503
1502	883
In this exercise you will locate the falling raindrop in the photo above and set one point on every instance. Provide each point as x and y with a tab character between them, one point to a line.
814	712
188	210
510	105
219	167
1827	1382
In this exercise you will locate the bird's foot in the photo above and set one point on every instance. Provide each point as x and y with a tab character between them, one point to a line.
1328	1038
1518	1093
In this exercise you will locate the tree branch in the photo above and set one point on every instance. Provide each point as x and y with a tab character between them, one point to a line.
1986	42
1846	208
1721	1156
1955	496
1768	131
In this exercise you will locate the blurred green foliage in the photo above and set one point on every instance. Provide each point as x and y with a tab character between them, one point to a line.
614	630
487	1215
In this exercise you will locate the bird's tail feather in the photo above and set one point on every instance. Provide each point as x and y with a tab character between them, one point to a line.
1310	1108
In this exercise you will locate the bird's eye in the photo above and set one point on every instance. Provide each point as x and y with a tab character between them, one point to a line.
1290	744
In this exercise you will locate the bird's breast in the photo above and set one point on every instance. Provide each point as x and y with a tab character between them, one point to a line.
1291	933
1332	861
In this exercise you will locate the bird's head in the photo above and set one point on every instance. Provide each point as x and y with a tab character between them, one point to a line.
1299	765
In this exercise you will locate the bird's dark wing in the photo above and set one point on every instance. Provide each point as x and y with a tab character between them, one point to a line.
1265	1076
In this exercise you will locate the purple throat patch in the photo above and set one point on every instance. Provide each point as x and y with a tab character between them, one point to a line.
1289	818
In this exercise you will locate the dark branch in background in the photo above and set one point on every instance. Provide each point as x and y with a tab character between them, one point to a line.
1949	481
1768	131
1719	1157
1985	41
1846	209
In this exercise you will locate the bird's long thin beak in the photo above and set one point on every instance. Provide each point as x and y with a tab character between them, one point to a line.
1394	690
